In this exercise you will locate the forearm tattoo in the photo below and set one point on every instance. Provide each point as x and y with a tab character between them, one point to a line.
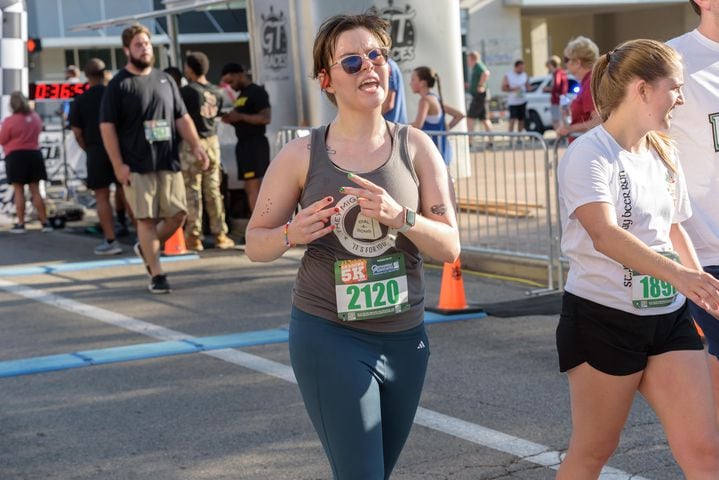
440	209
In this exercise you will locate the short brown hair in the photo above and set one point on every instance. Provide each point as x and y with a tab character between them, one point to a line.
333	27
198	63
130	32
695	7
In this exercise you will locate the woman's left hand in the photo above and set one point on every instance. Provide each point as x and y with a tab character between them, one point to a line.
375	202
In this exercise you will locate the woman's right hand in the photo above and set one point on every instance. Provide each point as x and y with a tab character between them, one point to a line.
699	287
310	223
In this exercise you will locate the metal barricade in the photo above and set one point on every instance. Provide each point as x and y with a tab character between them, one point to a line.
505	188
287	134
560	263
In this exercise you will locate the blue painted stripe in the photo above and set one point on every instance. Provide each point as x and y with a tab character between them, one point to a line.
138	352
246	339
431	317
50	363
142	351
93	265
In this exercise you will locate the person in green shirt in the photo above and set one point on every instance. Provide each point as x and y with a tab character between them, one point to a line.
477	87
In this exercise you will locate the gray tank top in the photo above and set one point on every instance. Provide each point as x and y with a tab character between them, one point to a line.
357	237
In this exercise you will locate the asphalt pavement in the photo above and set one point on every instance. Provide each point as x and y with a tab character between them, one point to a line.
154	387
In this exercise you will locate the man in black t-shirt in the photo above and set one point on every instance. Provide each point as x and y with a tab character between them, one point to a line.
203	102
141	114
251	114
84	120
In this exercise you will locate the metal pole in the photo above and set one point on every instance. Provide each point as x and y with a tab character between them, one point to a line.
174	46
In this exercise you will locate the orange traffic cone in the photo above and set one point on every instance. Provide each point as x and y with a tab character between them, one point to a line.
451	294
175	245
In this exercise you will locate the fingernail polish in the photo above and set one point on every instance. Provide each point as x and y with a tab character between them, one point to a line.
342	189
337	210
350	175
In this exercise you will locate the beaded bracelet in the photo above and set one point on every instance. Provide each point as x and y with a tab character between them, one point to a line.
285	231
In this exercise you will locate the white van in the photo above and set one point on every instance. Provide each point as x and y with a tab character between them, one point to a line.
539	116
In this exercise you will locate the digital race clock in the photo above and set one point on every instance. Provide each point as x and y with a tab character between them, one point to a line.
45	91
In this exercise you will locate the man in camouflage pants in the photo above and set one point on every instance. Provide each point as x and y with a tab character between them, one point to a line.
203	101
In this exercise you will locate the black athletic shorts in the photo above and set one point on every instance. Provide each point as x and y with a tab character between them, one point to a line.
518	112
99	168
617	342
25	166
478	106
253	157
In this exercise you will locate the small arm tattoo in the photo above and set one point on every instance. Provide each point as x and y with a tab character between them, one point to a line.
266	209
327	148
440	209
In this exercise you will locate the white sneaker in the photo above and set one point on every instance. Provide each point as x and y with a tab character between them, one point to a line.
47	228
108	248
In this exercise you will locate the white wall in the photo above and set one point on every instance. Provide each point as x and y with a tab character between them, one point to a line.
495	31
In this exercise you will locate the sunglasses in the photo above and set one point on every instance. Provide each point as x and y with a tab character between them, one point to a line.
352	64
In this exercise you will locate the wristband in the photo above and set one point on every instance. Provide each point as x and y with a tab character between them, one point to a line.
285	231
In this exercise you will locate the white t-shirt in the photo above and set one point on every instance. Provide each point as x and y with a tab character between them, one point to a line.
695	127
647	198
515	80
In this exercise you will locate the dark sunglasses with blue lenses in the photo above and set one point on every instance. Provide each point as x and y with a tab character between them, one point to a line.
352	64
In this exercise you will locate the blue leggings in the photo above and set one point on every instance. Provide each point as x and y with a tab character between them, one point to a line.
361	390
708	324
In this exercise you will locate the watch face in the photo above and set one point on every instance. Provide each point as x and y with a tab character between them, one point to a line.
410	217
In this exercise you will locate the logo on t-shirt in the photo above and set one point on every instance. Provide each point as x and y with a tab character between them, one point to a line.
359	234
714	120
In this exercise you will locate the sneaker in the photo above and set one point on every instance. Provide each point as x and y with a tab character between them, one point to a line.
193	242
108	248
18	228
138	251
159	284
46	227
223	241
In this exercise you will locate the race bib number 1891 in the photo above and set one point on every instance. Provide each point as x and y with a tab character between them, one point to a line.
369	288
650	292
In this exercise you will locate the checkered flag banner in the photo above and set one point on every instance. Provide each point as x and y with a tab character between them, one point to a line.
13	54
13	63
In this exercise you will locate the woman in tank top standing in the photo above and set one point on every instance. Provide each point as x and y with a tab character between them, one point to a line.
625	326
373	198
432	111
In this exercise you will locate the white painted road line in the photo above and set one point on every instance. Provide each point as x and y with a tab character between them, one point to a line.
471	432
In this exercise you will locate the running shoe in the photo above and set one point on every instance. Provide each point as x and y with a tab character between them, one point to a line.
159	284
138	251
18	228
47	227
108	248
